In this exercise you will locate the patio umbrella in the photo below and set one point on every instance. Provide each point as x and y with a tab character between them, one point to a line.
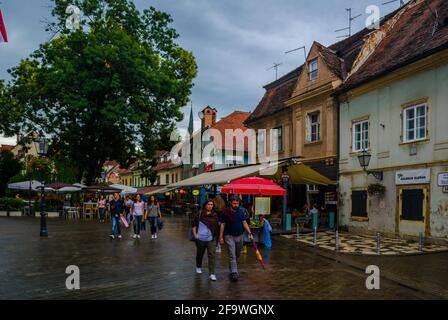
254	186
124	189
101	189
61	187
25	186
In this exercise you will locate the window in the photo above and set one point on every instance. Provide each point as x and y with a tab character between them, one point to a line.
261	142
312	70
177	177
312	188
415	123
359	204
233	161
158	180
412	204
167	179
313	128
277	139
360	132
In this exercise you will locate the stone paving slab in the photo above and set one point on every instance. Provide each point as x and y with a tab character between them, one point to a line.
34	268
365	244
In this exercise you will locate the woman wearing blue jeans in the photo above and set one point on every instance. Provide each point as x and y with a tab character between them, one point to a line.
153	213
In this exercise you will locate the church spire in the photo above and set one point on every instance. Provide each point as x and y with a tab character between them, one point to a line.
191	124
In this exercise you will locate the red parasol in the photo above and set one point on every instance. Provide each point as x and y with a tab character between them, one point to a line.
254	186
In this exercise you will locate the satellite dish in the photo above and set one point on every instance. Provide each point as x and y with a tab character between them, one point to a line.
201	115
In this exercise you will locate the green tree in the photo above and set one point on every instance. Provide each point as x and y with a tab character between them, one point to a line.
109	90
9	167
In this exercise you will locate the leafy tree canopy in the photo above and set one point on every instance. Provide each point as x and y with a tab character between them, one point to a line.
9	167
108	90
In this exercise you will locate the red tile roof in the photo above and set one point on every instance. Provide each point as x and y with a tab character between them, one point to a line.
110	163
6	147
411	39
233	121
165	166
276	94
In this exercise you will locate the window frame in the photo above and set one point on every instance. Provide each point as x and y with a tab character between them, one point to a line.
362	133
277	134
416	118
313	72
261	142
355	215
310	125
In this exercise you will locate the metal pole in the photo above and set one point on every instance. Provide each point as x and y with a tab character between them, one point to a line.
378	243
43	215
337	240
420	242
315	235
298	230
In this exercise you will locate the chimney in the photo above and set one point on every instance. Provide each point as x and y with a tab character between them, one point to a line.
208	117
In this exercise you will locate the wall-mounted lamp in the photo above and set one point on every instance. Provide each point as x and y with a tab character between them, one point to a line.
364	161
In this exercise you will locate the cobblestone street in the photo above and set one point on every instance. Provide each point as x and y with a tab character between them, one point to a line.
34	268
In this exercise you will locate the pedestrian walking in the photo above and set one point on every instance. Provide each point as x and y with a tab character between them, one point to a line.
117	211
137	212
153	213
101	205
206	231
233	225
219	205
127	208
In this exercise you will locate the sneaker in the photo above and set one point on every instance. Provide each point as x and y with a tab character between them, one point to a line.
112	236
198	270
119	236
138	236
213	277
234	277
155	236
134	236
152	236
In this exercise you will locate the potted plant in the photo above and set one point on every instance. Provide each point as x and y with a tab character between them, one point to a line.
376	189
11	207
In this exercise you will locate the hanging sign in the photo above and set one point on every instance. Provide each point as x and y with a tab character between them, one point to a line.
422	176
442	179
196	192
262	206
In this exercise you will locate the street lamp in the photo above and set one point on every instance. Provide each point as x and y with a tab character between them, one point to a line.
364	161
285	181
42	150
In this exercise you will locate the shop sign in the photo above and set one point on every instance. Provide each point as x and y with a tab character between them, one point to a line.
442	180
421	176
262	206
196	192
331	198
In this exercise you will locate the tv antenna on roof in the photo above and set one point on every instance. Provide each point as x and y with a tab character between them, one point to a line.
350	20
275	66
297	49
392	1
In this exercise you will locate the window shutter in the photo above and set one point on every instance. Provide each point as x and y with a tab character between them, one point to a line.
308	128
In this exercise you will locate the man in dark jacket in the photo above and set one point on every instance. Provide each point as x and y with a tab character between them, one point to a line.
117	209
233	224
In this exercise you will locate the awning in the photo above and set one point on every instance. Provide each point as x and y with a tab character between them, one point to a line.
299	174
159	190
225	176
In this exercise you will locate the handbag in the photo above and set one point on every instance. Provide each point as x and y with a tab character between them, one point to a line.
190	232
159	224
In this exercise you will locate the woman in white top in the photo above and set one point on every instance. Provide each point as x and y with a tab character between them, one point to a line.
137	211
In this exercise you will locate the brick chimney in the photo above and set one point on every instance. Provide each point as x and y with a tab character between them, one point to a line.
208	117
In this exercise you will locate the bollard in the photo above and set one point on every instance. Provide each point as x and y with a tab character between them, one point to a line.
378	243
420	242
315	235
298	231
337	240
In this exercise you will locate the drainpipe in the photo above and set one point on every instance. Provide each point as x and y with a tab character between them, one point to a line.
338	155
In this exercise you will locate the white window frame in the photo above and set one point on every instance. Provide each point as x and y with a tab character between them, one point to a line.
261	142
313	70
310	125
363	134
416	127
277	139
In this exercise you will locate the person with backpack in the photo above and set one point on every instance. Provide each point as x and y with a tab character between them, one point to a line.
206	231
233	225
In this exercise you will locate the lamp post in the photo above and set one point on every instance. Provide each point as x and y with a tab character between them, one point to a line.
285	180
364	161
42	149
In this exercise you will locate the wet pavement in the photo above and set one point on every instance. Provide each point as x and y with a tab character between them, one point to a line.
34	268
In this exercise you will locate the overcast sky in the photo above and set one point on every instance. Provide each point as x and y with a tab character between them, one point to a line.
234	41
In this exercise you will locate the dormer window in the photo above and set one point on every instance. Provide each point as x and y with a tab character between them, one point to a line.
312	70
